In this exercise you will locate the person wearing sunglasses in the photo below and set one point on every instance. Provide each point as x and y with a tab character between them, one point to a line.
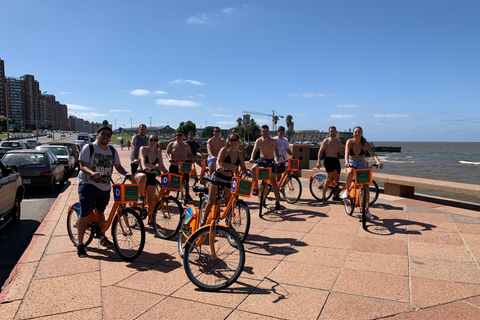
179	151
150	156
94	182
214	145
229	158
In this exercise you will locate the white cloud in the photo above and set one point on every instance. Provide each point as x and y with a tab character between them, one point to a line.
340	116
307	95
119	110
228	11
225	123
348	106
65	92
159	92
301	115
140	92
200	18
392	115
222	115
197	83
91	115
78	107
177	103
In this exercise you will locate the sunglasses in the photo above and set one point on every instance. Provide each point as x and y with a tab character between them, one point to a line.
234	140
179	135
216	130
106	134
153	139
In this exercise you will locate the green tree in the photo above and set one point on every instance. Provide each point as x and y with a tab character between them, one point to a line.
208	132
239	122
186	127
290	132
275	121
252	131
105	123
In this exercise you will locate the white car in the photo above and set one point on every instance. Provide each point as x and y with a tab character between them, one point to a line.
63	156
32	143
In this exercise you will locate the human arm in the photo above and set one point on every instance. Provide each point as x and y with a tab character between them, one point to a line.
374	156
320	152
221	157
348	145
254	151
209	151
133	145
141	158
169	151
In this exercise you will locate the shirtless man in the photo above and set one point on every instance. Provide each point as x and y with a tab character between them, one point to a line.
268	150
214	145
179	151
332	165
138	141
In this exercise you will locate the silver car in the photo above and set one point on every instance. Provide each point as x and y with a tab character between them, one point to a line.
63	155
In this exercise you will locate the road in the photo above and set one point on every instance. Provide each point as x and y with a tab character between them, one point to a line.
35	206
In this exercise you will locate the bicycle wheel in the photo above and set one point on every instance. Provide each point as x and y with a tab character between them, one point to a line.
291	189
240	219
363	207
185	232
167	217
373	192
262	198
72	223
128	241
214	271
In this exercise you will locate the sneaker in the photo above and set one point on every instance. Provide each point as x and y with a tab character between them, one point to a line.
140	201
337	198
369	216
255	192
81	251
105	242
324	200
277	205
345	194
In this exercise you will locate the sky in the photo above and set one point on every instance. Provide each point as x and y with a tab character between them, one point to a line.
404	70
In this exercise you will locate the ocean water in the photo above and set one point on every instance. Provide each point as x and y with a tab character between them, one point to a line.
445	161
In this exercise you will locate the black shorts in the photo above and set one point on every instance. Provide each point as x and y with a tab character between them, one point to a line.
331	164
267	163
151	178
281	167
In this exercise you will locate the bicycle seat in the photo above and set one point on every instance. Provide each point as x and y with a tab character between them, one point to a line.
198	189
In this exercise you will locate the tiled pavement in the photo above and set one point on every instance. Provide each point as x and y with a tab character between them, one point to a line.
419	260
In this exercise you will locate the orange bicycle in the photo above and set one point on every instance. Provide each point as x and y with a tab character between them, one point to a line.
128	231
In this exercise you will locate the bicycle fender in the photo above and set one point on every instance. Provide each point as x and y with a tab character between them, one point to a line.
320	177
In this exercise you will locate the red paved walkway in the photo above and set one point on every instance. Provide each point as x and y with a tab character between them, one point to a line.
309	261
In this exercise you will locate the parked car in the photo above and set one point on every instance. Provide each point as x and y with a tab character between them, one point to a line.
33	143
85	137
63	155
93	137
38	168
11	145
49	135
72	149
11	193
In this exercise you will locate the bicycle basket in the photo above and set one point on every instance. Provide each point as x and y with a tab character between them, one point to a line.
184	167
171	181
125	193
264	173
242	187
291	164
363	175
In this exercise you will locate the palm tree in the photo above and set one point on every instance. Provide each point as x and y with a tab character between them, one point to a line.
288	121
239	122
275	121
105	122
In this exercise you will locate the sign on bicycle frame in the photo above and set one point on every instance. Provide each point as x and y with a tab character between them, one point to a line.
363	175
158	172
242	187
264	173
291	164
125	193
171	181
184	167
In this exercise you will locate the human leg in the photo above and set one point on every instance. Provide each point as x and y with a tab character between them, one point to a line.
141	179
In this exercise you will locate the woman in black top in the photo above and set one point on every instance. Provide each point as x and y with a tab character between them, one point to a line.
229	158
149	157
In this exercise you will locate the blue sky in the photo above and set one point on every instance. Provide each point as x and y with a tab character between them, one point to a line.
403	70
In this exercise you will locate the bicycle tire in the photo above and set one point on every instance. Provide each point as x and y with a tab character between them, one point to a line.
183	235
167	217
129	244
292	189
72	221
363	208
262	199
213	273
241	219
373	192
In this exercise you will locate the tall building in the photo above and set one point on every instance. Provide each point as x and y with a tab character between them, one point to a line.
3	90
16	97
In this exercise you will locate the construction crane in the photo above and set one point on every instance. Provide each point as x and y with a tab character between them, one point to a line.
274	125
